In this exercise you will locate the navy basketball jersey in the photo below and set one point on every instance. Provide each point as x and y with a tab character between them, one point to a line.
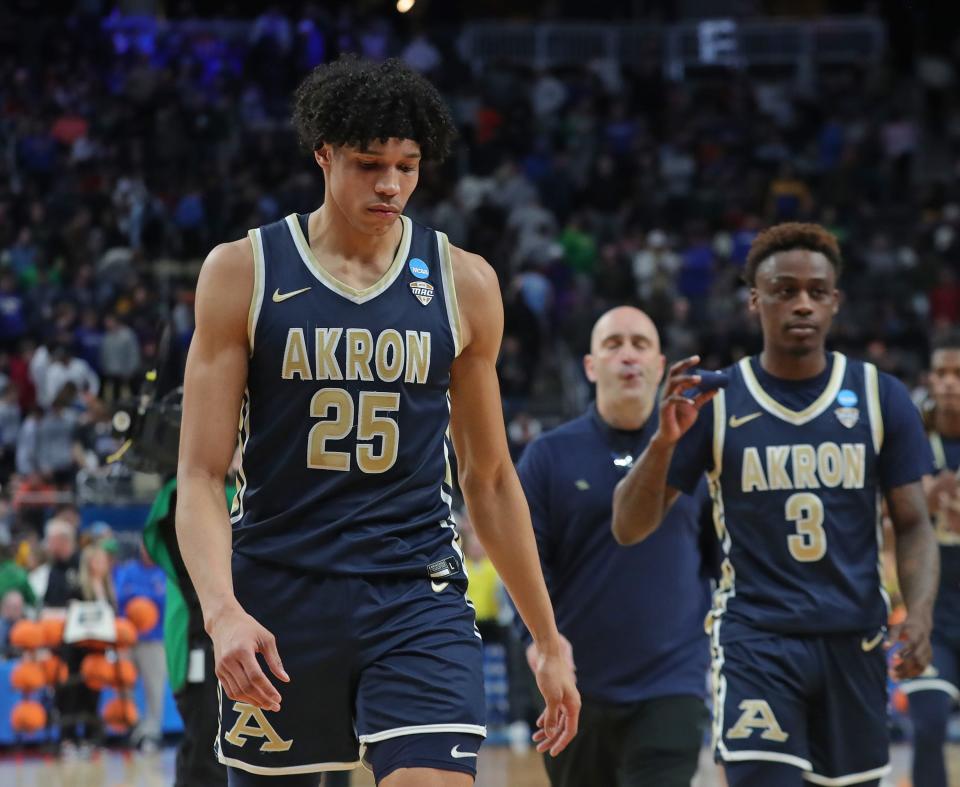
797	503
346	465
946	613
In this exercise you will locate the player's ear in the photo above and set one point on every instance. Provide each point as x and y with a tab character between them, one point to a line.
752	301
663	366
323	156
837	300
588	368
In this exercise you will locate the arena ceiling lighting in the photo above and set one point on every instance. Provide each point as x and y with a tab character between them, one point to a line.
405	5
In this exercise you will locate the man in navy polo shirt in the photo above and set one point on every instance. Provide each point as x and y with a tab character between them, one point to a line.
634	617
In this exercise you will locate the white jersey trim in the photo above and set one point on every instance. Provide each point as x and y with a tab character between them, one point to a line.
450	292
853	778
767	756
288	770
259	277
930	684
795	417
872	384
421	729
332	283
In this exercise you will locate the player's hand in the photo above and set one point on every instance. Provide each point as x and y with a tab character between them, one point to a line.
237	639
533	654
915	652
677	412
558	723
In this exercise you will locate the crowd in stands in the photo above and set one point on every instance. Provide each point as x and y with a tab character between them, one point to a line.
129	148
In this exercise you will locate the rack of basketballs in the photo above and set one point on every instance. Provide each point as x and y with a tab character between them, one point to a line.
41	669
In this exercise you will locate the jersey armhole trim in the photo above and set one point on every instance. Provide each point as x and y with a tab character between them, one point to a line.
939	454
719	432
256	300
872	384
450	292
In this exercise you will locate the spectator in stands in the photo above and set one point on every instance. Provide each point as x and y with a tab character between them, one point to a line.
48	442
10	421
81	729
141	577
64	367
12	575
57	579
119	358
12	609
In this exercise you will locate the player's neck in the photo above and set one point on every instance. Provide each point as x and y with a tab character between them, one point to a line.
947	425
332	236
623	414
793	367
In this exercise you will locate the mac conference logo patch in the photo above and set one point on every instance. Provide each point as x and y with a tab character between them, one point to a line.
422	291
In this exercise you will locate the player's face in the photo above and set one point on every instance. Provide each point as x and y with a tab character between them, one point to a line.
371	184
796	297
625	360
945	380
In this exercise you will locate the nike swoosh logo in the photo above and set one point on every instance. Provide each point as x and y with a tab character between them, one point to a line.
870	644
278	298
439	587
735	421
459	755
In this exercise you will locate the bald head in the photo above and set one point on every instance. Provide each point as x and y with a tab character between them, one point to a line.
623	321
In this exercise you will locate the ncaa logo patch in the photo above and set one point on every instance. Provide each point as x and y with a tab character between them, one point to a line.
419	268
847	398
422	291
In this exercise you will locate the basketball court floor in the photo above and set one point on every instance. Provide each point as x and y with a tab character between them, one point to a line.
499	767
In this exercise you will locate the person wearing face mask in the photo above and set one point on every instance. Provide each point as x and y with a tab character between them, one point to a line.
633	618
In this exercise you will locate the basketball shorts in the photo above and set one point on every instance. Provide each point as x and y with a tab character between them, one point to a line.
943	674
368	660
818	702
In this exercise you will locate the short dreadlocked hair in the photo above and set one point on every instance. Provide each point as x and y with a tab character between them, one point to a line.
788	237
355	102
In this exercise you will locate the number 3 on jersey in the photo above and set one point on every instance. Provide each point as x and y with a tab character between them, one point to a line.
809	543
336	406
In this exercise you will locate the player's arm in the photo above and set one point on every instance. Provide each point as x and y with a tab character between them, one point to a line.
918	569
493	494
214	381
905	457
642	498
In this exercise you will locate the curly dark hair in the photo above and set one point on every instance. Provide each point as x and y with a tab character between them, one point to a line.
948	341
354	102
787	237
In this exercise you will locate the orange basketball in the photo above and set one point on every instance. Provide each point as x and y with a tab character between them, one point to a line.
26	635
126	633
900	701
52	631
97	672
897	615
28	716
120	714
28	676
54	670
142	612
124	674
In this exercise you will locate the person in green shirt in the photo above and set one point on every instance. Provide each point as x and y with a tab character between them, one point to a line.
13	576
189	651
